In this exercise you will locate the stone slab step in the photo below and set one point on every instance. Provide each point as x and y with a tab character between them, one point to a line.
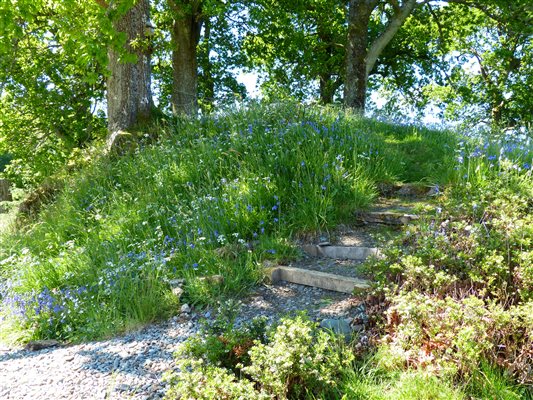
341	252
317	279
387	218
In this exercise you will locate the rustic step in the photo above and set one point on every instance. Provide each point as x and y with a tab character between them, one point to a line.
317	279
359	253
387	217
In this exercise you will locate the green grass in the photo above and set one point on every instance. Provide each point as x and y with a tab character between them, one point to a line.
213	196
382	377
487	384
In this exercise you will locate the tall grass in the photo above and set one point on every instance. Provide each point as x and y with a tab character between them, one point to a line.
213	196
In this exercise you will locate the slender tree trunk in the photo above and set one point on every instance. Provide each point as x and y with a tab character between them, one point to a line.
208	80
185	37
129	96
325	84
355	80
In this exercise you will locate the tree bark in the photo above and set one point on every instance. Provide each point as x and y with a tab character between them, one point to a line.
129	95
327	84
5	191
355	81
207	78
185	37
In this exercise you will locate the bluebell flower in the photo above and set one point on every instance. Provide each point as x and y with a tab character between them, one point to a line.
476	153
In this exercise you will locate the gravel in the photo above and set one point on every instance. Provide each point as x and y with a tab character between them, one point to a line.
131	366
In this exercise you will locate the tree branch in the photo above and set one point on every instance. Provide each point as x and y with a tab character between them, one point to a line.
102	3
383	40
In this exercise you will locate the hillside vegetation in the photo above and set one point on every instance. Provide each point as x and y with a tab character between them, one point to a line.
221	194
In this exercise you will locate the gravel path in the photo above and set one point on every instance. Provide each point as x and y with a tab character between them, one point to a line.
131	366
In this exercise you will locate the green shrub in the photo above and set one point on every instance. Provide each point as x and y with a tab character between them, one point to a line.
207	382
221	344
297	360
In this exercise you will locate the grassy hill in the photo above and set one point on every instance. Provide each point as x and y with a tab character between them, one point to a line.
224	193
98	260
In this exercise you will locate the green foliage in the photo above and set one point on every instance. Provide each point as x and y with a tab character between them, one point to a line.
476	68
4	160
52	57
409	385
223	345
216	56
207	382
313	35
296	360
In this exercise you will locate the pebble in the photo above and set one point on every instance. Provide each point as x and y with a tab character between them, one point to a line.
131	366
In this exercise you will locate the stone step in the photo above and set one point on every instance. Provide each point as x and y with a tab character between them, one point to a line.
358	253
387	218
317	279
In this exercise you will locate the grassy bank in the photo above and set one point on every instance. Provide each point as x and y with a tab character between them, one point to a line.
99	259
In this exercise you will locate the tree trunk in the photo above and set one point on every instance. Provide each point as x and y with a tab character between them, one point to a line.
185	37
129	96
328	87
360	58
5	191
401	12
326	94
355	81
207	78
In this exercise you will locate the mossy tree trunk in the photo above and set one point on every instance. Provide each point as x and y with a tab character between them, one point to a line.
129	96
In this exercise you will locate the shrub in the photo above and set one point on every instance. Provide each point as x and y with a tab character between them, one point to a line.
295	361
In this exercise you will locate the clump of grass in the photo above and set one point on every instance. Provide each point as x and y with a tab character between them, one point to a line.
100	259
